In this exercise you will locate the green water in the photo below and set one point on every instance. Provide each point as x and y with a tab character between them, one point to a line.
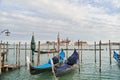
89	70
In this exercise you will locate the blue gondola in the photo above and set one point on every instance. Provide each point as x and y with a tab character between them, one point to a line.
116	56
57	61
69	65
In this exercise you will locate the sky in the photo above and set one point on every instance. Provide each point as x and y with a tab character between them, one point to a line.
86	20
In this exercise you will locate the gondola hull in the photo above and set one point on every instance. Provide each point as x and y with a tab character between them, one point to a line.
58	60
35	71
68	66
65	72
116	56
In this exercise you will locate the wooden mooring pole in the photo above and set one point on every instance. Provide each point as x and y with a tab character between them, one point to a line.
38	59
110	51
14	48
30	53
58	42
48	50
81	51
79	56
7	52
100	56
16	54
19	57
0	61
54	49
3	47
25	54
119	48
67	48
95	50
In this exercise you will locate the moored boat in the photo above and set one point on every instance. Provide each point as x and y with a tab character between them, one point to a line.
57	61
69	65
116	56
46	51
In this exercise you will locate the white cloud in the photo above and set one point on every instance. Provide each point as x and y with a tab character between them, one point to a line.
116	3
72	18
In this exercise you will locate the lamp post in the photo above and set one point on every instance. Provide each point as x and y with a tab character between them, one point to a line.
6	32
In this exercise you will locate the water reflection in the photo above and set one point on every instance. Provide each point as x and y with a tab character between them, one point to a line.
89	70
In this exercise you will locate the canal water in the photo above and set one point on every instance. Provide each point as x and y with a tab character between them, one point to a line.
89	70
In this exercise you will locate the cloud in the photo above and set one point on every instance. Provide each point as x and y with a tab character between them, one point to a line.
116	3
77	19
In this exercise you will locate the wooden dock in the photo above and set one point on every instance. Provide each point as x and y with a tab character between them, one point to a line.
8	67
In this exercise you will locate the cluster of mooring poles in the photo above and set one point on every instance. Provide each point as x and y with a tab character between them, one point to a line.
95	51
100	49
17	47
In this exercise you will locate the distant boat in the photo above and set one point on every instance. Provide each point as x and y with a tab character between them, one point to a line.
69	65
46	51
57	61
116	56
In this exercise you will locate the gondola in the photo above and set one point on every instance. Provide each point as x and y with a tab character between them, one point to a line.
57	61
68	66
46	51
116	56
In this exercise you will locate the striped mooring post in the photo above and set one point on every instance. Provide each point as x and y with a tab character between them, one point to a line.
33	47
